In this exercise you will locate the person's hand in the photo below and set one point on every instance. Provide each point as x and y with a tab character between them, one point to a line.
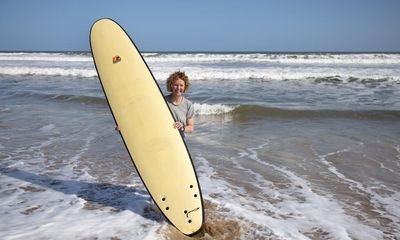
179	126
117	128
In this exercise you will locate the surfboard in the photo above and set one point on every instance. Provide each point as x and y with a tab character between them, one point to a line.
157	150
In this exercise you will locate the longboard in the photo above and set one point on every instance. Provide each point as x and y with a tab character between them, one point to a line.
157	150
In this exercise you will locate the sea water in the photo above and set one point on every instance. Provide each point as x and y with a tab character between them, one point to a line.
286	146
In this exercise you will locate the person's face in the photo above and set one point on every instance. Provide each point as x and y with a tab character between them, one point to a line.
178	87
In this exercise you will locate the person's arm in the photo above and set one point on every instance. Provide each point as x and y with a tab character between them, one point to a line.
188	128
189	125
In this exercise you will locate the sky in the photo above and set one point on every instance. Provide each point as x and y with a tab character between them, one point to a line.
206	25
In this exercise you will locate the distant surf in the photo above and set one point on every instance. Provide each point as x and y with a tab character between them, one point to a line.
333	68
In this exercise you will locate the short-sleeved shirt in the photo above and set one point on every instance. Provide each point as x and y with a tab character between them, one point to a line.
183	111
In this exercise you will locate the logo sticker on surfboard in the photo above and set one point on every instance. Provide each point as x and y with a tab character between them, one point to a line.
116	59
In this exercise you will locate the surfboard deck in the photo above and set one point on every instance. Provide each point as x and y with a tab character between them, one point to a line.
157	150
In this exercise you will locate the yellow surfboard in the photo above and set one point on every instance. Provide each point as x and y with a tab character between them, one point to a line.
157	149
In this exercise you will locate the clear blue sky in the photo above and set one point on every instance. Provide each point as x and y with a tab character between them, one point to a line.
206	25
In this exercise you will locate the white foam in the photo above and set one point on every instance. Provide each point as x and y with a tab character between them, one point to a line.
4	109
297	209
315	211
391	202
47	128
280	73
45	57
293	59
206	177
398	155
54	71
58	203
268	58
212	109
57	215
345	67
73	162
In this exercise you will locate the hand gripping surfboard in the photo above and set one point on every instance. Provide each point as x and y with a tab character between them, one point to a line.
141	113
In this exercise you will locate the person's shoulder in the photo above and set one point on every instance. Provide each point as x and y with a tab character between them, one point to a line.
168	97
187	101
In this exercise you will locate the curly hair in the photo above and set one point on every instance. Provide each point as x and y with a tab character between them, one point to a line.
175	76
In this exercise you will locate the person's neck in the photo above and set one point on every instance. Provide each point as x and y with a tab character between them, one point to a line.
176	99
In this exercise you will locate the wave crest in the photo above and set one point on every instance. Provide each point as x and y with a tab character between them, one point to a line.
53	71
214	109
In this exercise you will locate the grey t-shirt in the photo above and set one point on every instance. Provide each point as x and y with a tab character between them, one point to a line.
182	111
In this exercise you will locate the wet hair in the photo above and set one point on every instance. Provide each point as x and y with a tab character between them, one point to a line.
175	76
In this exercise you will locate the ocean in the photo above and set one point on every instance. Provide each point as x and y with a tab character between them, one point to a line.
286	146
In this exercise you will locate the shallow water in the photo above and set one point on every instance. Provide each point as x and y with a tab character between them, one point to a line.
286	146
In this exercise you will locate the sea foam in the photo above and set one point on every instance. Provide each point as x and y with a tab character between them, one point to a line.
209	109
